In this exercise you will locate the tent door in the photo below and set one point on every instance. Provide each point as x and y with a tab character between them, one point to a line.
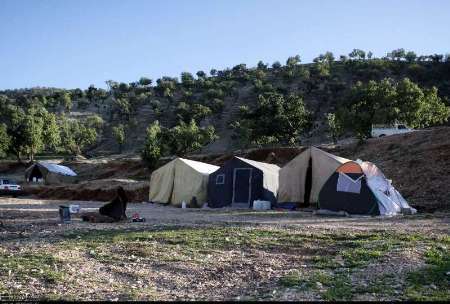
242	186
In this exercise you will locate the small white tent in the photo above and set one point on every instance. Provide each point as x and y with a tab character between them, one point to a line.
180	180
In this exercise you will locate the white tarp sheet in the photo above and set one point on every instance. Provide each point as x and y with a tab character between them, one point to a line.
390	200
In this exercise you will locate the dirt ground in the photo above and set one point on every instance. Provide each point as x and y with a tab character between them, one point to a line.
222	254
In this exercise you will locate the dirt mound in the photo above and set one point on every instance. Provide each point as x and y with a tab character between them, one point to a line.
98	190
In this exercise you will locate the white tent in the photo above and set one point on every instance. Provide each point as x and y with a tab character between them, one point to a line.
180	180
390	201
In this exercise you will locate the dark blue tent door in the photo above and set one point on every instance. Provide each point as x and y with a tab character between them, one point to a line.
242	179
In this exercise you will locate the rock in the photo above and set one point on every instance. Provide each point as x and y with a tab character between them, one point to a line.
432	286
319	285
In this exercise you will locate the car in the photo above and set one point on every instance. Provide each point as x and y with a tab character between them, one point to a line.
7	186
386	130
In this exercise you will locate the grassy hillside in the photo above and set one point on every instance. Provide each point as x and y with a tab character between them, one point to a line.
215	99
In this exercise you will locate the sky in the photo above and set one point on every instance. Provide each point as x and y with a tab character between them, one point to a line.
76	43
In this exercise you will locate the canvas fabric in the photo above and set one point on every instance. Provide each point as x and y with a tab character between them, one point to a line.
52	173
292	178
323	166
180	180
270	174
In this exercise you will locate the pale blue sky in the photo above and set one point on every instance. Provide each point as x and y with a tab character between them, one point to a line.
62	43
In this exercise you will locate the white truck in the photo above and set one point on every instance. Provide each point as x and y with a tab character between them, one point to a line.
9	187
385	130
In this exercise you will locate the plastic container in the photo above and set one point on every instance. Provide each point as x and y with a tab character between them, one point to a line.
64	214
74	208
261	205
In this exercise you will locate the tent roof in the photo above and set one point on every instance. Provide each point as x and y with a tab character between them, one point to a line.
199	166
59	169
339	159
265	167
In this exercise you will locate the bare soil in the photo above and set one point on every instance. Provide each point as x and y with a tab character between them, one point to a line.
226	254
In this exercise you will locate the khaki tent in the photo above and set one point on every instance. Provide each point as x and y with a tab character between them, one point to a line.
309	170
50	173
180	180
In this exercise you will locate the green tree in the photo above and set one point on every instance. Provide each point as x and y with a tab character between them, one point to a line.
66	101
335	126
5	140
51	132
276	118
410	57
119	135
187	80
293	61
144	81
388	101
76	136
188	137
357	54
153	145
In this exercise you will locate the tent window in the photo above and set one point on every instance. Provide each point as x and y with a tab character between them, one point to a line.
220	179
347	184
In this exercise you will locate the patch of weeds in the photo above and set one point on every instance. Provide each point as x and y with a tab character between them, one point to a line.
340	288
431	282
382	285
325	262
22	266
292	279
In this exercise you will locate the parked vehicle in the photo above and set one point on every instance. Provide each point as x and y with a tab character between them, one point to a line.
386	130
9	187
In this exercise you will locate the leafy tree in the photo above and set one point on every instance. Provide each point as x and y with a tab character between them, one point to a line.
201	74
261	65
188	137
119	135
335	126
144	81
66	101
276	65
397	54
388	101
152	149
410	56
323	64
357	54
95	121
166	86
5	140
51	132
197	112
76	136
187	79
293	61
278	118
213	72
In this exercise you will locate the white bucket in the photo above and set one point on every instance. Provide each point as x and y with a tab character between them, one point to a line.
261	205
74	208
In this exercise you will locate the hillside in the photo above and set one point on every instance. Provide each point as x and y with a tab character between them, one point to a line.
322	85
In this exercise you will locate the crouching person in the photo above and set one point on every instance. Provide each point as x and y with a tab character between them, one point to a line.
113	211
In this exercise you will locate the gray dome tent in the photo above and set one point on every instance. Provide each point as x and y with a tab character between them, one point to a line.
50	173
361	188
